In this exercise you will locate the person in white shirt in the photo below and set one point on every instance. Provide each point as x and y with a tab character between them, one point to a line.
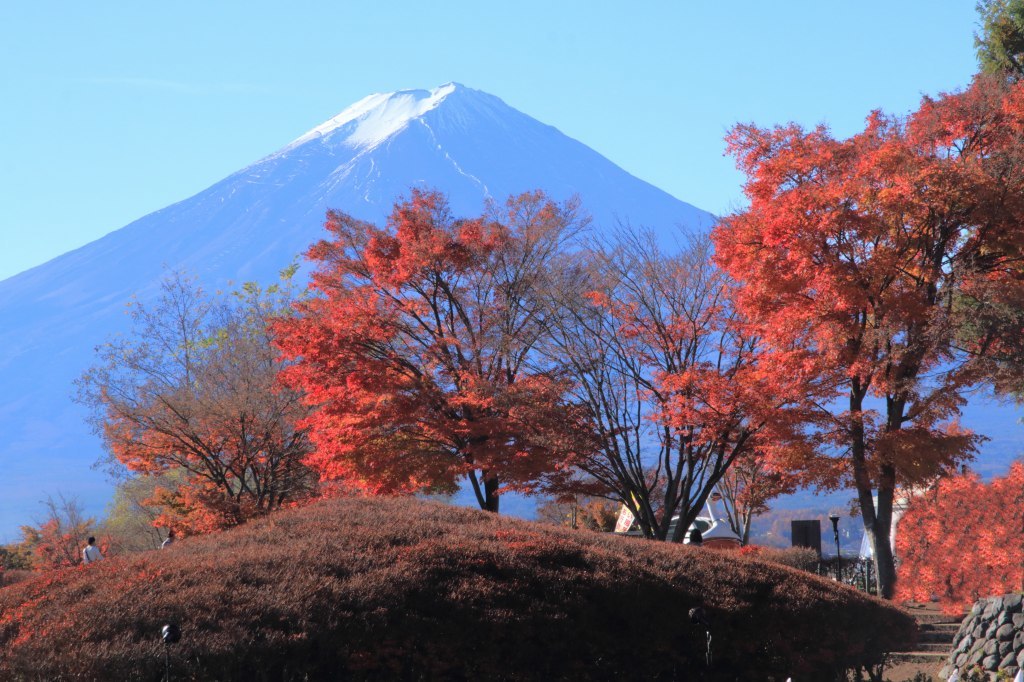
169	541
91	553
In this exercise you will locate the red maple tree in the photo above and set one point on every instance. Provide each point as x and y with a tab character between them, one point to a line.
963	540
192	393
673	389
750	484
418	356
854	257
57	540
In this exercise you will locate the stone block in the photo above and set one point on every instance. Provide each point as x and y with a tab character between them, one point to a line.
1014	603
964	644
1005	632
990	663
1018	620
991	646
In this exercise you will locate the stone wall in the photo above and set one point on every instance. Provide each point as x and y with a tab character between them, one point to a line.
991	636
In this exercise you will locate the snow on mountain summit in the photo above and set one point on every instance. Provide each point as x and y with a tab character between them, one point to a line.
375	118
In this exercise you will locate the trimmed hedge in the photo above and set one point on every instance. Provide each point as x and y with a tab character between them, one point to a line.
402	589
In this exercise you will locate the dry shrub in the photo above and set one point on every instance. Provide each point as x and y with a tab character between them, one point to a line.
803	558
401	589
9	577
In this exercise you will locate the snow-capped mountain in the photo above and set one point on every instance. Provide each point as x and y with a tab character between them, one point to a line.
253	223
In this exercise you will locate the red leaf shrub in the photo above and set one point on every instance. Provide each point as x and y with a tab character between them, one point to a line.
963	540
397	588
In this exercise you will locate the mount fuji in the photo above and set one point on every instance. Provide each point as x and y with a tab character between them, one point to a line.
249	226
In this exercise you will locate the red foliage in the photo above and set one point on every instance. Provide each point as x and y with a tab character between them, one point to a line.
963	540
418	355
57	541
747	487
399	589
674	391
853	257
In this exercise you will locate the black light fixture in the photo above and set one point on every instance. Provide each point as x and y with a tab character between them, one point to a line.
834	518
170	634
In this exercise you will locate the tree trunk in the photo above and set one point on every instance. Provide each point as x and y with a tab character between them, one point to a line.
491	497
878	527
885	562
687	516
745	535
877	522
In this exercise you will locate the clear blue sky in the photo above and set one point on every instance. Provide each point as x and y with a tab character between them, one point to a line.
110	110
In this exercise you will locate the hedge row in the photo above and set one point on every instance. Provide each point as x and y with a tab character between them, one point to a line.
402	589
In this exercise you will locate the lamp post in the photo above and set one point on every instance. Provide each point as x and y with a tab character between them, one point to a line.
834	518
170	634
699	617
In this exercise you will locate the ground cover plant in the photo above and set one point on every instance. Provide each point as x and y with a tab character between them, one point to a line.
387	588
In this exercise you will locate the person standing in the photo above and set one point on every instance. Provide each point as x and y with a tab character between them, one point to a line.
169	541
696	537
91	553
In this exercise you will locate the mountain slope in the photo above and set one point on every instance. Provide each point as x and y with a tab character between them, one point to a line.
253	223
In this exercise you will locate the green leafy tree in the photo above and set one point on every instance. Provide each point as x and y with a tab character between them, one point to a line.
133	517
1000	43
15	557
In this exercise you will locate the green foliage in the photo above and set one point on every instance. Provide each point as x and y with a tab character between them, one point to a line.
132	517
15	557
1000	44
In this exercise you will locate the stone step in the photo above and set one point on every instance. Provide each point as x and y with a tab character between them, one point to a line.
940	647
937	619
924	658
936	636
